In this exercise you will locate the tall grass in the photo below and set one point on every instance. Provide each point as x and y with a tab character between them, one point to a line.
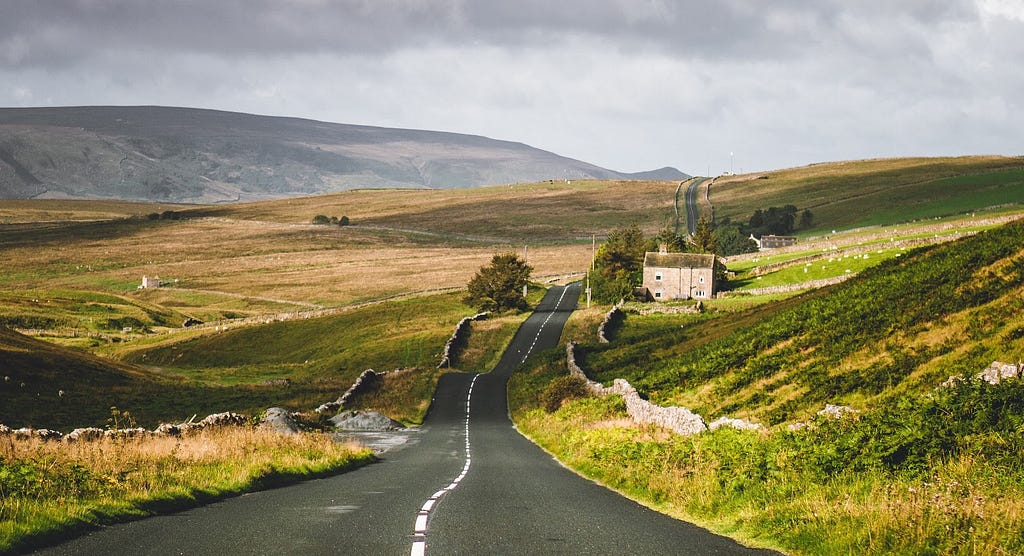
755	487
51	489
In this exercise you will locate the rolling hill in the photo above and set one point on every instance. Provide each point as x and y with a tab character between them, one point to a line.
207	156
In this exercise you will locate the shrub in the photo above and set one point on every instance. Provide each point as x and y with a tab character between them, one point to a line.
563	388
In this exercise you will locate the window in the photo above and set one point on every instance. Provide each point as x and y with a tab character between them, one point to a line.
701	280
657	294
700	293
657	277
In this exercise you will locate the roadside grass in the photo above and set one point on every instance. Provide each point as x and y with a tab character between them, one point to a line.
768	490
50	491
823	490
919	468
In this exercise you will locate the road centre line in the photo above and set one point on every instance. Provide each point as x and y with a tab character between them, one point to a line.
419	545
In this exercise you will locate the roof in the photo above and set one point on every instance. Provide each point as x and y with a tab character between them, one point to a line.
678	260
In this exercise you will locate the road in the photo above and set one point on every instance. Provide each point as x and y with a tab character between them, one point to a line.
465	483
692	209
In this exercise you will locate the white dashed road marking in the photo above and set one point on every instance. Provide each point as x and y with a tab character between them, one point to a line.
419	544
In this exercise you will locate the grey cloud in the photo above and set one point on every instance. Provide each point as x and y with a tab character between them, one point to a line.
59	32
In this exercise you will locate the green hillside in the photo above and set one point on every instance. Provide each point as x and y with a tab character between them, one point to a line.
915	467
902	326
876	192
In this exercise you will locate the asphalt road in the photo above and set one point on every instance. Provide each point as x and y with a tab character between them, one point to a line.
465	483
692	209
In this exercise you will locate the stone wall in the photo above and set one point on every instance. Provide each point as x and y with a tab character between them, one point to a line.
612	318
678	419
458	339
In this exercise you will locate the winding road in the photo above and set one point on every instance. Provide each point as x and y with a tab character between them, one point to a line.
465	483
692	209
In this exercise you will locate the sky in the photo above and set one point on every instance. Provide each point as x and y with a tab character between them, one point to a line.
706	86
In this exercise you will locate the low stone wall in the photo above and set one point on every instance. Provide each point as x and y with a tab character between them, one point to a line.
610	319
789	287
458	338
361	381
92	433
678	419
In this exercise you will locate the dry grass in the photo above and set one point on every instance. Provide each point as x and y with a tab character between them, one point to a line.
48	487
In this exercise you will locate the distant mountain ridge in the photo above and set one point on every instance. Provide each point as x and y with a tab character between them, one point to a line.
208	156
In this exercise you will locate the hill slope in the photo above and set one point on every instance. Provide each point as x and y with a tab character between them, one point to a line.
901	327
204	156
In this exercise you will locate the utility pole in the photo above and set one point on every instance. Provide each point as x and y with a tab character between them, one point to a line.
526	258
593	255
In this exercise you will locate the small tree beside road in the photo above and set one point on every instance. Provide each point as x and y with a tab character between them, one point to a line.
499	285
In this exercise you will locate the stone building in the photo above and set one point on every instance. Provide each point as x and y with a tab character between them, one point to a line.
679	275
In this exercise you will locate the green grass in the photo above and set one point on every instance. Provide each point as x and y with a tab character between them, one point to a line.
917	470
846	195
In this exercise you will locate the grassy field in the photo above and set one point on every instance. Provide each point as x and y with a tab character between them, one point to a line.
852	194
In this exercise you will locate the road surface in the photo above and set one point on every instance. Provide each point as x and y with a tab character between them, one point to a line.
465	483
692	209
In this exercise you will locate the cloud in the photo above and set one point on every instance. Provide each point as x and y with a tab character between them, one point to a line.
626	84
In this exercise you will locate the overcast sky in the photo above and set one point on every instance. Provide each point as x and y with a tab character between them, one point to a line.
702	85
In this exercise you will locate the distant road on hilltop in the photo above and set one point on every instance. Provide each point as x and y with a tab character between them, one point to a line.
191	155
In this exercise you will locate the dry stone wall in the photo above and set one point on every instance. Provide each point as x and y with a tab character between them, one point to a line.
458	338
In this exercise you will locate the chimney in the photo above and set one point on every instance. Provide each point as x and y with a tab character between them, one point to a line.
662	248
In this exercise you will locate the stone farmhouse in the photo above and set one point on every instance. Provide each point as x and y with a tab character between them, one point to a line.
678	276
773	241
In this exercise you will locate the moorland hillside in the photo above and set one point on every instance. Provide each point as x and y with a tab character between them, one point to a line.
204	156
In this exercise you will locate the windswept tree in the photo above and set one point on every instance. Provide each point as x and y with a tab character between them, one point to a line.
499	285
704	240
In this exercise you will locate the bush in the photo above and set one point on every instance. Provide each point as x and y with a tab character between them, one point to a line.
563	388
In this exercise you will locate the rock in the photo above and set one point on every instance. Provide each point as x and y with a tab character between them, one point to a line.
734	423
279	420
365	421
837	411
997	371
223	420
84	434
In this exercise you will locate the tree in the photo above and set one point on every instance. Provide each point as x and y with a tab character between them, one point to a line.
619	264
499	285
623	253
321	219
668	237
703	239
806	219
344	221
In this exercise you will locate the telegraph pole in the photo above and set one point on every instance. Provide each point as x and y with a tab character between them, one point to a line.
526	258
593	255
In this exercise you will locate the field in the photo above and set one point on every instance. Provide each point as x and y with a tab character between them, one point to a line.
871	192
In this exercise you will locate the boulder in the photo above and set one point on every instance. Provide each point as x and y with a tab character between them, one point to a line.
279	420
356	420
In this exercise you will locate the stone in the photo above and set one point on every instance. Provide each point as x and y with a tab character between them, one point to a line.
279	420
365	421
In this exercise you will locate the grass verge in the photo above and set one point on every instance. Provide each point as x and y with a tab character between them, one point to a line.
830	489
50	491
